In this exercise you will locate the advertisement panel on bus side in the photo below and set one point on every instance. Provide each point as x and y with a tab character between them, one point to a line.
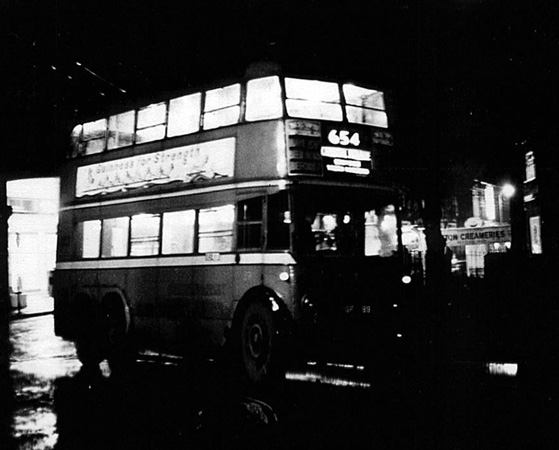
207	160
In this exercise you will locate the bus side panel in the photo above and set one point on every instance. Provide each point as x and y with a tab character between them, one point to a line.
194	307
260	138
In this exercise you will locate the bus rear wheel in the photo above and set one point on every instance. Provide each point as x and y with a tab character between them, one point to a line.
88	344
256	337
117	347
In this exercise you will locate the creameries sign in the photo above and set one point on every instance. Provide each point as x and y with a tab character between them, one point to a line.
205	161
456	237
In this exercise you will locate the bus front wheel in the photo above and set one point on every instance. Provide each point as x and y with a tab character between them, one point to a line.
256	342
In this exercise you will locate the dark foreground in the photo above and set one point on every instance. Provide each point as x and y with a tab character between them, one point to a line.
164	405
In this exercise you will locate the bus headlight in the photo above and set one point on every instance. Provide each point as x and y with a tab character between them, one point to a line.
284	276
406	279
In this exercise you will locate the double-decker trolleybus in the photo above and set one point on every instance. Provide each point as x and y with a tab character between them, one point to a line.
250	217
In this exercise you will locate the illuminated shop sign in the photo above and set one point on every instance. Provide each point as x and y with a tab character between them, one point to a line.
530	161
205	161
456	237
319	149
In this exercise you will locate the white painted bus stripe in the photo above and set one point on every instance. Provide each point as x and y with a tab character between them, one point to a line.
174	261
226	187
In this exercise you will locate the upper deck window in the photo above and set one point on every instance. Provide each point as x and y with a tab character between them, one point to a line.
365	106
263	99
313	99
222	107
184	115
121	129
151	123
94	135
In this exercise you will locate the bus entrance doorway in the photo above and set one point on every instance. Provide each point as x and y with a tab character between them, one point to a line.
32	239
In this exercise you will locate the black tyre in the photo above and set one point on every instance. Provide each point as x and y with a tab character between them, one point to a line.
88	342
256	337
88	350
117	348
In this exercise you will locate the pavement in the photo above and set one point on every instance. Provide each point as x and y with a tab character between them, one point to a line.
36	304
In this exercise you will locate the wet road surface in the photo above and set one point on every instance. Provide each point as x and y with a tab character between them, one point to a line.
164	405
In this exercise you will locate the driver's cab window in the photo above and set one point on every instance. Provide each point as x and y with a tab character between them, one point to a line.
381	231
328	232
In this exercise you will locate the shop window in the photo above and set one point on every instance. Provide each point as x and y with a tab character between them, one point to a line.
184	115
114	242
144	235
178	232
222	107
313	99
215	232
249	224
263	99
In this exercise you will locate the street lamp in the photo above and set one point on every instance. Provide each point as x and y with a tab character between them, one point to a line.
506	193
508	190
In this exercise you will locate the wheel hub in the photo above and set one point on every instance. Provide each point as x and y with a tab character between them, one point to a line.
255	340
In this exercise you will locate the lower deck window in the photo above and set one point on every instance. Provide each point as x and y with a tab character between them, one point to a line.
144	235
249	224
178	232
90	232
115	237
216	229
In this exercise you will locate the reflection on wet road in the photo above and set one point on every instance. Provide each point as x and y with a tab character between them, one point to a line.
171	406
38	359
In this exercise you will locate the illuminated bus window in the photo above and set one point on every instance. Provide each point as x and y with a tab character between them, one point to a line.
184	115
94	136
313	99
121	130
278	222
222	107
178	232
215	232
76	141
114	241
144	235
151	123
367	116
263	99
249	224
366	98
222	117
381	238
365	106
90	232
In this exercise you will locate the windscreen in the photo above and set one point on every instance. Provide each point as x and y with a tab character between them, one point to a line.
345	222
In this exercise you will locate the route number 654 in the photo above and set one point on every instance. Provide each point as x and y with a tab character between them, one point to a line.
343	137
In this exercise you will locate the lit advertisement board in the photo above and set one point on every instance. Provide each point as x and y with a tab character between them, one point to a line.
457	237
328	149
204	161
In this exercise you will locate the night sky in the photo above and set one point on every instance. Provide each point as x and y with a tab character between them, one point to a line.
471	81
